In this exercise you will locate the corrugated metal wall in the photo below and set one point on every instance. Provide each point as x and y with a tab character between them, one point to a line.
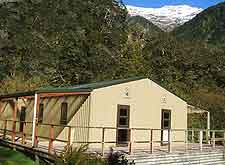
77	115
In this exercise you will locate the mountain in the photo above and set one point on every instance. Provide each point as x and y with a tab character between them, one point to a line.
167	17
144	23
208	26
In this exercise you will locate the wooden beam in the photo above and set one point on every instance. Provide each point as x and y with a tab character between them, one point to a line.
63	94
35	121
14	120
45	95
37	116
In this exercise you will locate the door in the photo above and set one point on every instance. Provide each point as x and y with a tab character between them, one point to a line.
165	126
123	120
22	118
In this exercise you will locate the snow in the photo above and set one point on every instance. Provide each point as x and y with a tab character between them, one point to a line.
166	17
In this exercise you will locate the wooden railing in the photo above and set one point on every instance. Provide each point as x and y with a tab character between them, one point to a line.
198	137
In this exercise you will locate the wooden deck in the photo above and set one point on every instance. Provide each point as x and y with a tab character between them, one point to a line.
195	141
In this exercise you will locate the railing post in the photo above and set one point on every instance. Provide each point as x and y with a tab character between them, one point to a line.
169	140
131	142
207	136
192	136
51	136
151	141
69	137
13	131
14	120
213	139
5	129
186	140
23	133
103	142
36	136
200	139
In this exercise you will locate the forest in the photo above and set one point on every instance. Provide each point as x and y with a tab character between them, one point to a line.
56	43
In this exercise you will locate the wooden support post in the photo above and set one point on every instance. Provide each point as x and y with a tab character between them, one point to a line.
51	139
151	141
208	128
213	139
169	140
14	121
36	136
200	139
35	121
69	136
5	129
103	142
192	136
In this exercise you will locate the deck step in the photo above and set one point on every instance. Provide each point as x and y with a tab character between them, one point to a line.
202	158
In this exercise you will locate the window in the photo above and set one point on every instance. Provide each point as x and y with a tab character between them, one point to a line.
166	119
64	108
41	113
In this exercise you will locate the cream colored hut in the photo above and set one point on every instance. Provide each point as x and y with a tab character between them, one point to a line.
118	105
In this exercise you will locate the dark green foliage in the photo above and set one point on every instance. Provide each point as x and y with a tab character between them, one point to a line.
11	157
207	27
78	156
144	23
63	41
55	42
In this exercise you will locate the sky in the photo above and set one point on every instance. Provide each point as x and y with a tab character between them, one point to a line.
159	3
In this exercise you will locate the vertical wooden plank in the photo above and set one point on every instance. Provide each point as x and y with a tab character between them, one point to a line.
200	139
103	142
151	141
51	139
14	120
5	129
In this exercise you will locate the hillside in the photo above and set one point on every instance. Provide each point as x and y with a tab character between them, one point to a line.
55	42
144	23
208	26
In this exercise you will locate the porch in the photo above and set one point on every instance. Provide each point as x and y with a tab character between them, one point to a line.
195	141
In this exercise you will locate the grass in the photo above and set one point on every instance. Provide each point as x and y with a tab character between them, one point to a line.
11	157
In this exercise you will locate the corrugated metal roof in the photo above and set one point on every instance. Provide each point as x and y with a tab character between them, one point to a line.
74	88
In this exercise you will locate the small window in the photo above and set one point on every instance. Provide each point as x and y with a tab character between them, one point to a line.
41	113
64	108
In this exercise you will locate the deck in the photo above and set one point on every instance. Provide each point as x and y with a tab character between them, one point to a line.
195	141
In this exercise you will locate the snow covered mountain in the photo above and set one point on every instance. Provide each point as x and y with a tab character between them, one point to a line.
166	17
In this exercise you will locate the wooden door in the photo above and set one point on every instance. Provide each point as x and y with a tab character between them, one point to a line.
123	122
165	126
